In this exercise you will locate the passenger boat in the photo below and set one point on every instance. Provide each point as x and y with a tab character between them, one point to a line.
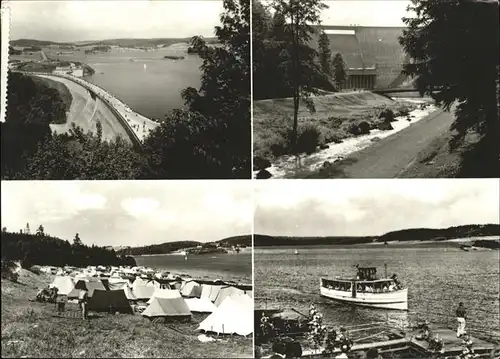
367	290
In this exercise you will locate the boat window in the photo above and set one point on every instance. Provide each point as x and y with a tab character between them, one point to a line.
377	287
336	285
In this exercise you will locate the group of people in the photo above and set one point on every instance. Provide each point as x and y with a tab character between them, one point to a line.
50	295
328	338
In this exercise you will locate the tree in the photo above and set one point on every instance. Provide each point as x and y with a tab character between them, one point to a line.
198	44
453	46
215	132
325	54
339	70
77	241
40	231
299	58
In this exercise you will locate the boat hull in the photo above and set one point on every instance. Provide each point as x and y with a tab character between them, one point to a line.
396	300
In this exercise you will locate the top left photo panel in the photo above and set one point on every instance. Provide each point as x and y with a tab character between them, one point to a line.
123	90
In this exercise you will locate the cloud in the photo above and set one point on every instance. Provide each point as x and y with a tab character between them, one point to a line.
91	20
140	206
372	207
130	212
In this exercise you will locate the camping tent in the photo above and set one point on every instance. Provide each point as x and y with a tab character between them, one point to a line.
64	285
90	285
226	292
165	293
167	308
143	289
210	291
233	316
191	289
200	305
109	301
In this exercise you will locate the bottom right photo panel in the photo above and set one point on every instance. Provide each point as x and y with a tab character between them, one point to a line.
377	268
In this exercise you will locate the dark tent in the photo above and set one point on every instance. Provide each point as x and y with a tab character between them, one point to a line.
110	301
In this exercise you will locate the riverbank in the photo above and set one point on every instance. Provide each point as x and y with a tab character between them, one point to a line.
343	123
32	329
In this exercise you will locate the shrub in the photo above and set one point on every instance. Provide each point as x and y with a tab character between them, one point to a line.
9	270
387	114
364	128
35	269
308	139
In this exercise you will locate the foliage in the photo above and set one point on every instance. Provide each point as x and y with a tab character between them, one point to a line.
9	270
308	139
212	138
32	107
48	250
13	51
79	155
453	47
325	54
339	70
298	58
197	44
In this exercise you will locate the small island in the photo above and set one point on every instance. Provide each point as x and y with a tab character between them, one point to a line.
172	57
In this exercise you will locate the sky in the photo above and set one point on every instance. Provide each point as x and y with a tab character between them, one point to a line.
372	207
129	213
365	13
77	20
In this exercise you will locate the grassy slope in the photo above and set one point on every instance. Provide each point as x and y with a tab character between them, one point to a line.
31	329
60	87
438	160
334	113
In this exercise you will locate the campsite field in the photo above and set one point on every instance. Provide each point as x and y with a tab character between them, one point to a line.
33	329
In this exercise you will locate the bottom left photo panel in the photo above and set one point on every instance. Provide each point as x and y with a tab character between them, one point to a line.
127	269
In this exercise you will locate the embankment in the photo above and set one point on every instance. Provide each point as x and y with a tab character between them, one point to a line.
88	108
335	117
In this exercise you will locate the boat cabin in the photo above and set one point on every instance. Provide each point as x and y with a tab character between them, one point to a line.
360	286
367	273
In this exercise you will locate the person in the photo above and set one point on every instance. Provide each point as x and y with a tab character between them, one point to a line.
82	300
61	303
461	316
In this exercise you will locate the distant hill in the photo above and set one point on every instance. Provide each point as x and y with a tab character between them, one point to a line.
245	240
33	42
116	42
170	247
413	234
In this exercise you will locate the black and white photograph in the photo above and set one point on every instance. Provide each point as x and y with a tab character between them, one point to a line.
375	89
117	90
127	269
377	269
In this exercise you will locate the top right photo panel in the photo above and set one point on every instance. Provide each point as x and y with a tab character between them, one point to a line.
375	89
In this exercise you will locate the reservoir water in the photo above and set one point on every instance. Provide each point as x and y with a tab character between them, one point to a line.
150	84
223	266
438	277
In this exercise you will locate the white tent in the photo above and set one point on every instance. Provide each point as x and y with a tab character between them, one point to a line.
233	316
64	285
191	289
200	305
165	293
227	292
210	292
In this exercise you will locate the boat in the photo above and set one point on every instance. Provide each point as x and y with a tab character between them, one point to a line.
465	247
296	252
366	290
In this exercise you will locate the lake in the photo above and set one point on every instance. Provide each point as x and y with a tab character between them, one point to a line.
236	267
151	90
438	278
